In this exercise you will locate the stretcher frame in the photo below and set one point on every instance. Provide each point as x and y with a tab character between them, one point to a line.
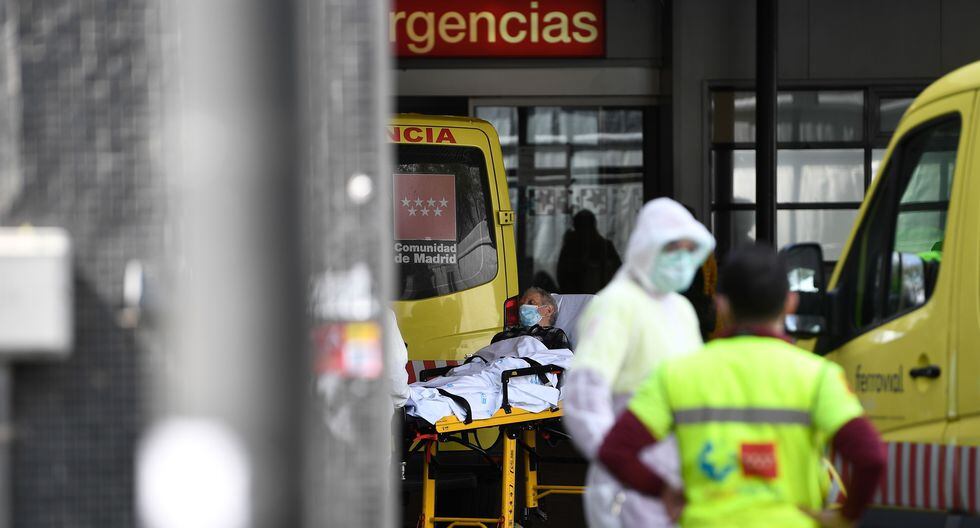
517	427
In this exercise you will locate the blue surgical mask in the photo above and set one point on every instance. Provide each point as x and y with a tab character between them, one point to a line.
530	315
673	271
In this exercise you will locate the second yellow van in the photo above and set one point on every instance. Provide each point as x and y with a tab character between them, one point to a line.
901	311
454	237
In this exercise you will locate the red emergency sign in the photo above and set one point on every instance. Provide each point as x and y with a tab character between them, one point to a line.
497	28
413	134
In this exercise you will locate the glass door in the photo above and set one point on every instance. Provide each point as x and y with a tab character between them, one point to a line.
576	176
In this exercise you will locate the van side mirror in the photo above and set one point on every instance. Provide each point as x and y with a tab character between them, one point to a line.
807	278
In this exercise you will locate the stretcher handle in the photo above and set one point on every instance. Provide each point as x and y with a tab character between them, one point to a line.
540	370
542	377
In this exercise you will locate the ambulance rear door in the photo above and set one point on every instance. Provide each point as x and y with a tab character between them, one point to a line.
448	247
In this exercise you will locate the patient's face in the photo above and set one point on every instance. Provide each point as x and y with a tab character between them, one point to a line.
535	299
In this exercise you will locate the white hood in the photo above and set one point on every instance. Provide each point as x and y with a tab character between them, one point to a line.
659	223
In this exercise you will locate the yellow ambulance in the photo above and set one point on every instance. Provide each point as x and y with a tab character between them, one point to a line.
901	311
454	247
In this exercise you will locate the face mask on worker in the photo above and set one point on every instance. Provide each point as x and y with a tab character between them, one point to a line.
673	271
530	315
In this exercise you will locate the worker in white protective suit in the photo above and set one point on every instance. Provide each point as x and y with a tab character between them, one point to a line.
396	358
635	322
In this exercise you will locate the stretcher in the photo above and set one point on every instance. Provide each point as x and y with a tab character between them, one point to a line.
518	428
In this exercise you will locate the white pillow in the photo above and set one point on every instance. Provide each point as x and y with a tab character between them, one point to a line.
570	307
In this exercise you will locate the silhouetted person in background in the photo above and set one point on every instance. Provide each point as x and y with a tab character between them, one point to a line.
587	261
702	294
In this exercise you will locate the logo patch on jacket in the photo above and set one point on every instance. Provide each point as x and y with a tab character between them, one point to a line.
715	467
759	460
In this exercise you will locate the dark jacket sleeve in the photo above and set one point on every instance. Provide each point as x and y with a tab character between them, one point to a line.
620	453
507	333
558	339
859	444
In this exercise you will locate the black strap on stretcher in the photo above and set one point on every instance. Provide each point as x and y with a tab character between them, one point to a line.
461	401
541	371
428	374
542	376
536	368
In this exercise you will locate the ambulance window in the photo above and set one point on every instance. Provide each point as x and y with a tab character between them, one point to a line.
444	240
894	261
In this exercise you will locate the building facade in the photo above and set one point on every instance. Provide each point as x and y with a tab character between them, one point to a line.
668	108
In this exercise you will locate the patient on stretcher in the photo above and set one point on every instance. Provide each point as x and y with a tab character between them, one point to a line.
538	313
479	382
540	340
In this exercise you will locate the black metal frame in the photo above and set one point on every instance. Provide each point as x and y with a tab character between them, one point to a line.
873	138
540	371
766	75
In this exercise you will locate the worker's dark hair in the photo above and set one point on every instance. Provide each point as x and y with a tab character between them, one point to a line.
754	279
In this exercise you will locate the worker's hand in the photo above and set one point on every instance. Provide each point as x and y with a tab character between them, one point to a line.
674	502
829	518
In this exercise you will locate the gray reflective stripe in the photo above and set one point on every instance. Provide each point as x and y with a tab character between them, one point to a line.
752	415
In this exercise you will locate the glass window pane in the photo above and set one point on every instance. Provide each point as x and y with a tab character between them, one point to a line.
621	125
573	159
587	159
732	117
932	179
615	207
921	223
581	125
803	116
740	228
803	176
820	176
920	231
920	228
561	253
620	137
504	120
901	238
743	228
549	125
550	157
890	111
829	228
606	157
543	126
827	115
877	155
737	166
444	239
743	176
